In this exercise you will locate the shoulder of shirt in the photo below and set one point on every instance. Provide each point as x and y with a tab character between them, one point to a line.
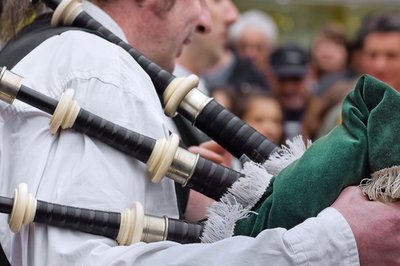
77	55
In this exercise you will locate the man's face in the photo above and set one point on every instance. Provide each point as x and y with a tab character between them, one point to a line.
291	92
160	35
381	57
329	55
254	45
223	13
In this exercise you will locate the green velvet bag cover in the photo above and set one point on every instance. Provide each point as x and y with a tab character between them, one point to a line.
365	142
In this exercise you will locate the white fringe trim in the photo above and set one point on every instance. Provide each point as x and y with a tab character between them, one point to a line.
384	185
236	204
238	201
294	150
222	220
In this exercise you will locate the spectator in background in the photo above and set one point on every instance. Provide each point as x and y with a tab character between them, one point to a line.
331	108
290	69
376	51
262	111
380	40
202	53
329	58
252	37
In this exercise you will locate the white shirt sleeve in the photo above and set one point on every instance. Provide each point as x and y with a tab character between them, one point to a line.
324	240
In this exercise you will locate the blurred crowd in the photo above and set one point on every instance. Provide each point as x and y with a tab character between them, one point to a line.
284	89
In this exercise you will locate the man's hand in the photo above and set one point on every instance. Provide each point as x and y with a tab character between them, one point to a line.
375	225
213	152
198	203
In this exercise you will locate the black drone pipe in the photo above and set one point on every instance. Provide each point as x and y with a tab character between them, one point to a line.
126	227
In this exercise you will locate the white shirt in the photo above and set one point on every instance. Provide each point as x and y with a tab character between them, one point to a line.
73	169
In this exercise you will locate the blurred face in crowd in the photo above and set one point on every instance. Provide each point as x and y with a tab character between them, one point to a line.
210	46
265	115
254	45
161	29
381	57
291	92
329	55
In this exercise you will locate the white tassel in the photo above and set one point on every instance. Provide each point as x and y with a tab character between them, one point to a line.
384	185
294	150
249	189
236	204
238	201
222	220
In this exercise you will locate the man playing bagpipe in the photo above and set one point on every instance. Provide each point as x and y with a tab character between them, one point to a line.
71	168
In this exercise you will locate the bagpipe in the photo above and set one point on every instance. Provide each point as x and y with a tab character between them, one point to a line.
352	153
162	157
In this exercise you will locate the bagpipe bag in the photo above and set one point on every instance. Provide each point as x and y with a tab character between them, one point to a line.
364	145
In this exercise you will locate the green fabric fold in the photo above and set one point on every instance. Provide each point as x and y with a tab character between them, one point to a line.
365	142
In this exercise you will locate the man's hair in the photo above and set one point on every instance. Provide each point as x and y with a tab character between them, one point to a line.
383	23
256	20
334	33
16	14
242	98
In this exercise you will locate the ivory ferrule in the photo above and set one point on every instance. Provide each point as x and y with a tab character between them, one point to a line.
10	85
193	104
154	229
183	166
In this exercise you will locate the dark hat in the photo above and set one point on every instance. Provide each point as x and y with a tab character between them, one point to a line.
289	60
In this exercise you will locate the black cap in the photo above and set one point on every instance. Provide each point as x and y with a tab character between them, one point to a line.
289	61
